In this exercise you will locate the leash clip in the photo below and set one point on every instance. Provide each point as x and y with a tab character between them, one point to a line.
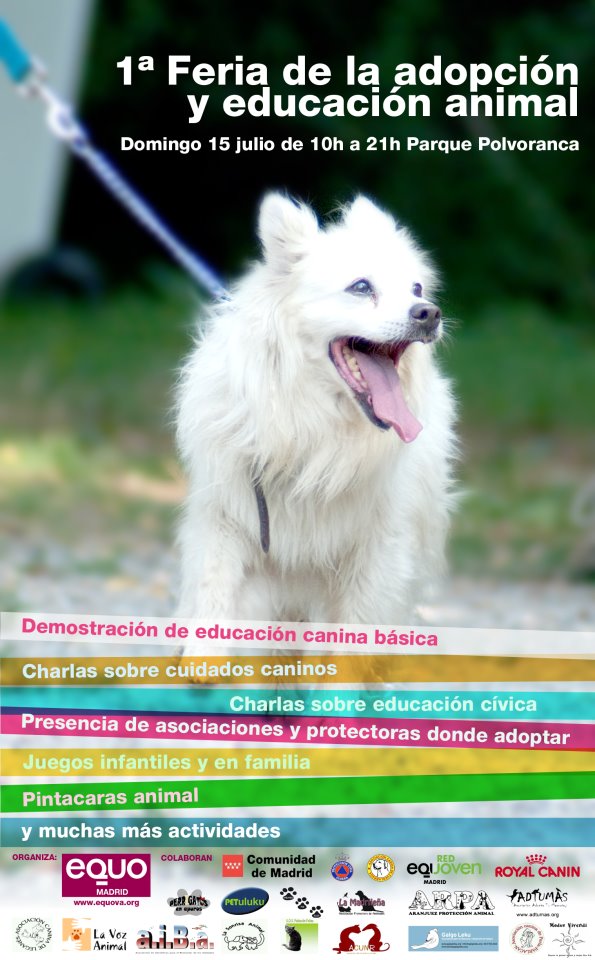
30	76
59	115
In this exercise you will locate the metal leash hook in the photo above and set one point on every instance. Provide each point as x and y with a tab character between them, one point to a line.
59	116
30	77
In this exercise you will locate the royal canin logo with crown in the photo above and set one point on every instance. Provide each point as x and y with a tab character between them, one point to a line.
537	866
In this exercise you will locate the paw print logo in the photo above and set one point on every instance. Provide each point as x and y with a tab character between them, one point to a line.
301	903
316	912
288	893
191	903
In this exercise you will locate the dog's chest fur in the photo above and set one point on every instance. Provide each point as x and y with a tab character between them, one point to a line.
357	517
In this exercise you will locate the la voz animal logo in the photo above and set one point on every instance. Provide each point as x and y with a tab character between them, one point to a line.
79	934
98	875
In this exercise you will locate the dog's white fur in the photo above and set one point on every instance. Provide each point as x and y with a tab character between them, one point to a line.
358	518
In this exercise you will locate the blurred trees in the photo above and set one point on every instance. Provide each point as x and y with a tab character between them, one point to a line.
500	225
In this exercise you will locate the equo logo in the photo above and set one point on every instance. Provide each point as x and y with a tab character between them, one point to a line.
106	875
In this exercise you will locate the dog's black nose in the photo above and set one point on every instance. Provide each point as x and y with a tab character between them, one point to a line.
426	314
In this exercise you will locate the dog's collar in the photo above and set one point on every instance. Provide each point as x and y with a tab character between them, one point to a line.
263	515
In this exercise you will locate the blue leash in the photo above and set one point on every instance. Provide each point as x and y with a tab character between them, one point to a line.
30	78
29	75
16	59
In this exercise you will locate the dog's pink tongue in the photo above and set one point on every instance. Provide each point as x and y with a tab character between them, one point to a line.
386	394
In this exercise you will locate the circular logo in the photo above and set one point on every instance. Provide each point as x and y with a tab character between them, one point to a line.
526	938
381	867
33	934
245	900
240	936
342	870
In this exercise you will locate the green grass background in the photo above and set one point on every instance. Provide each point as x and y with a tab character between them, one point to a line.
86	439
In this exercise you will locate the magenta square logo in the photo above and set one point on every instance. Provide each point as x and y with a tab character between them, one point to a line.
106	875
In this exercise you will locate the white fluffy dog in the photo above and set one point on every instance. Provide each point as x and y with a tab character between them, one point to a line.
311	413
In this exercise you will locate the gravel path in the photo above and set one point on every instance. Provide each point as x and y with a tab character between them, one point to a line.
61	579
549	605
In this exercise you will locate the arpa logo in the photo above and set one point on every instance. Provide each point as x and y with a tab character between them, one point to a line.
106	875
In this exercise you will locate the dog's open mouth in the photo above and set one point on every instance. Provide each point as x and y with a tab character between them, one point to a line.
371	370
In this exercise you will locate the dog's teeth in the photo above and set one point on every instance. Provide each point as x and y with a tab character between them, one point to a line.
353	365
358	376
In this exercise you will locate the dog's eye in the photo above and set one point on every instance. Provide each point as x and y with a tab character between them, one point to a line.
417	290
361	288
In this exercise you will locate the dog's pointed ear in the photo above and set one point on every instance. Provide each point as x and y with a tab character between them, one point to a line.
364	214
285	229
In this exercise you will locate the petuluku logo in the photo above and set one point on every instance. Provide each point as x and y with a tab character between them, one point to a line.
366	939
243	936
34	933
381	867
245	900
537	866
232	865
96	875
342	870
526	938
